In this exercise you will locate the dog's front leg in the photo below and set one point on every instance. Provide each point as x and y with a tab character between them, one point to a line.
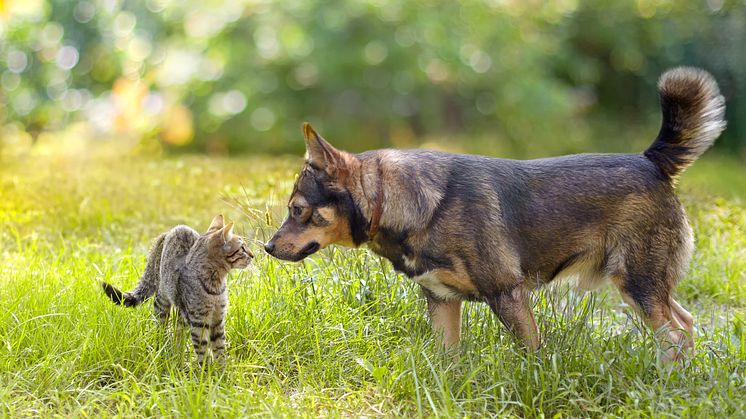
513	308
445	318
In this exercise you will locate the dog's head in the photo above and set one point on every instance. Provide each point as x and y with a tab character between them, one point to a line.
321	209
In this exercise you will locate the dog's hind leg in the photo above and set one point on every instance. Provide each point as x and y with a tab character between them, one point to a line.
645	270
675	335
445	317
684	317
513	308
651	297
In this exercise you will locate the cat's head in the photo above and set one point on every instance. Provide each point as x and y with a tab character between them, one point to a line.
226	247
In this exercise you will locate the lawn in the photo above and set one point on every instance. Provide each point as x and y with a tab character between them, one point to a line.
340	334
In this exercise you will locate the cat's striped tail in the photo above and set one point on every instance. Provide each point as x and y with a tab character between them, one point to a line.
148	282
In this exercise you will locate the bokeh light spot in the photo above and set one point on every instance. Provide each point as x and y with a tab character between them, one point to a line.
124	23
10	81
307	74
227	104
266	42
262	119
139	48
67	57
375	52
234	102
178	128
16	61
84	11
486	103
24	102
152	104
480	62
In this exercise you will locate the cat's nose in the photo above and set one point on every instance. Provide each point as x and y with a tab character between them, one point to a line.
269	247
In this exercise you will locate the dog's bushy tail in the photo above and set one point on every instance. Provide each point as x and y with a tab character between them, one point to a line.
148	282
693	118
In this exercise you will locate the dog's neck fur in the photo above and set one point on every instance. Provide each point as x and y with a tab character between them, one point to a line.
377	211
362	177
393	210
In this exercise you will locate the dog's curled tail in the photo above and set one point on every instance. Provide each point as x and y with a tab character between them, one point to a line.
693	118
148	282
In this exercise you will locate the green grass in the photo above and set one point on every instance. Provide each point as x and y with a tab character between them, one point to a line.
340	334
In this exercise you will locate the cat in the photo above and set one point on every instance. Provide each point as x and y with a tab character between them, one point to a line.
187	271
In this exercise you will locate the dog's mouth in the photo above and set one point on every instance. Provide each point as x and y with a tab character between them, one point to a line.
310	249
306	251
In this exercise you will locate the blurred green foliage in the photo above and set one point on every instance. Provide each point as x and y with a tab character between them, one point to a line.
530	77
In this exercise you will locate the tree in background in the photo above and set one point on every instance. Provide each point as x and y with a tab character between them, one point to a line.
527	78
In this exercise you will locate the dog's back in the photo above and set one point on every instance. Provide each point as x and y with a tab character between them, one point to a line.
569	210
546	216
604	212
590	216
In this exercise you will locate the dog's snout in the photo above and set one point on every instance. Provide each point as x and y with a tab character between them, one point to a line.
269	247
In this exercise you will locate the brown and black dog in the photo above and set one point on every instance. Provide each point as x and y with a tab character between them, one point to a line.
485	229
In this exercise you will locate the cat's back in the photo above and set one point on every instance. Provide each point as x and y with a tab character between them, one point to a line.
177	243
176	246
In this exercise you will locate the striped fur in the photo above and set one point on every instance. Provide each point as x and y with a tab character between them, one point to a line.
187	271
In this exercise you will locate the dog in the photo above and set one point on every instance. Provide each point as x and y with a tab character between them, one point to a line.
474	228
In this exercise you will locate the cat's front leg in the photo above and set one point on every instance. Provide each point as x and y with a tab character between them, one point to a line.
199	341
217	340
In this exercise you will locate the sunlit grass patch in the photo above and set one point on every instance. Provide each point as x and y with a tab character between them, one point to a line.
340	334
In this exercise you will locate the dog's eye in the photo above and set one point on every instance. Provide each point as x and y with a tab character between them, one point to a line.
318	220
300	213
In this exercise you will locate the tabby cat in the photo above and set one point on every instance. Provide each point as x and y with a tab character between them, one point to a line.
187	271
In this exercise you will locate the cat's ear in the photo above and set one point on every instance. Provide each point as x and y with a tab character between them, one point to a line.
227	232
216	224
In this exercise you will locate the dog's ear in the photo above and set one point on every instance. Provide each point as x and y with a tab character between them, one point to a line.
216	224
319	153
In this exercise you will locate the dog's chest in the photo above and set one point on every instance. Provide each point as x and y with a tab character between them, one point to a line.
393	246
431	282
432	272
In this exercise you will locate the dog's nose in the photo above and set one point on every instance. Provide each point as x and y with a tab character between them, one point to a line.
269	247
